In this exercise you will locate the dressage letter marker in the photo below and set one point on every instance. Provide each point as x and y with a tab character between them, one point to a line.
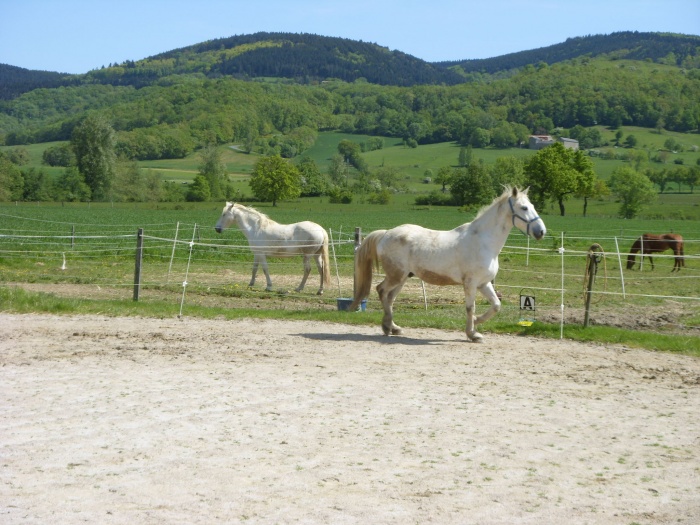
527	302
527	305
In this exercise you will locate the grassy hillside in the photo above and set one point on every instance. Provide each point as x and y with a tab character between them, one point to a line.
412	164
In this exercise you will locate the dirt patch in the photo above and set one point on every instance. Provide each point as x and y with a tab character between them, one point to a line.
130	420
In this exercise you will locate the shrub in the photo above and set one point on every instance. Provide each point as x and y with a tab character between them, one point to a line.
434	198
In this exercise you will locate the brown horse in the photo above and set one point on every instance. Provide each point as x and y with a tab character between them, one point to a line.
650	243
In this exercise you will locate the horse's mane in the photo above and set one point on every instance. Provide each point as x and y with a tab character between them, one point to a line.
507	193
261	219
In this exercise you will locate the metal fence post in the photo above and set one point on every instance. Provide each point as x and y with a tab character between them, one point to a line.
358	241
137	267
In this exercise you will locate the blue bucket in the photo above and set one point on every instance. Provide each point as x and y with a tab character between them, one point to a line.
344	303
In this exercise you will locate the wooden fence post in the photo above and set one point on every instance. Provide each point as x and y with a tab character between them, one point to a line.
594	256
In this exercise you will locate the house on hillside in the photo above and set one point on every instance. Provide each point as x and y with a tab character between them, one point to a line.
569	143
542	141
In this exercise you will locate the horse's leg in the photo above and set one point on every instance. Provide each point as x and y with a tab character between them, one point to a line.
488	291
677	261
256	261
307	271
263	261
470	305
388	289
319	265
651	261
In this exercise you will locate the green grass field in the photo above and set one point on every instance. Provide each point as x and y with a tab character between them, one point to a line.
102	255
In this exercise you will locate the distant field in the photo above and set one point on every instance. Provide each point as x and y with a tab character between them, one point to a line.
412	164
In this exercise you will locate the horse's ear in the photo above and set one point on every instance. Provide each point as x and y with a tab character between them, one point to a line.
515	191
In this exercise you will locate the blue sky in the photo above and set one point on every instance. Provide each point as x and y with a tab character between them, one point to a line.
75	36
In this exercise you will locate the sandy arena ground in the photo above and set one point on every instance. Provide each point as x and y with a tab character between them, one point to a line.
151	421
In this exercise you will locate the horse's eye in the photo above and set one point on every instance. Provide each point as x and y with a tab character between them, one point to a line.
524	208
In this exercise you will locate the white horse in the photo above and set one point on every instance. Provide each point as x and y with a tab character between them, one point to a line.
467	256
269	238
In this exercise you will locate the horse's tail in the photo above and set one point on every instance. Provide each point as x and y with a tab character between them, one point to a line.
325	261
634	249
680	251
365	258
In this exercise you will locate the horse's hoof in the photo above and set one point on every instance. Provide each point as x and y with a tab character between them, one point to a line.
396	331
320	292
475	337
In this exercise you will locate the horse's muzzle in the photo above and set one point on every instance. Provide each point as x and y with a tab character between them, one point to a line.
218	229
539	231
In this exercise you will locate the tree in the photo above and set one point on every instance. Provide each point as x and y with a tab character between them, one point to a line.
589	185
658	177
11	181
129	184
199	190
552	174
93	142
504	136
472	186
591	188
630	141
507	171
338	170
71	186
351	152
693	177
19	156
214	170
36	185
633	189
465	156
480	138
443	177
678	175
313	182
388	176
618	136
274	179
61	155
638	158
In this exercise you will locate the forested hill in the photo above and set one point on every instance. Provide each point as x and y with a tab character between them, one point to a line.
16	80
308	58
301	58
672	49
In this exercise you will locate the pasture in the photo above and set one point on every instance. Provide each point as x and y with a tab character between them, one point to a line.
98	243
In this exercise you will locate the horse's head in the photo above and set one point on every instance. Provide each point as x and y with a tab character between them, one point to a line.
227	217
525	217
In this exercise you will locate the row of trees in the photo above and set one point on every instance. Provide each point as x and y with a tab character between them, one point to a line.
96	169
553	174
